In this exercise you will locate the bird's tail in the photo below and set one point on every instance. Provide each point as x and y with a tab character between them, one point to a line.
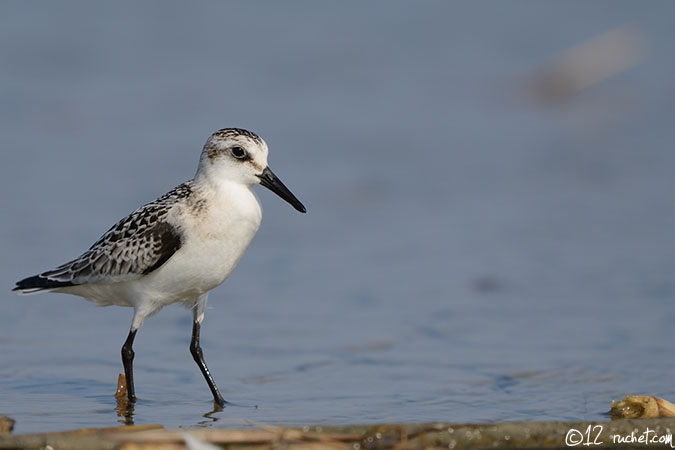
37	284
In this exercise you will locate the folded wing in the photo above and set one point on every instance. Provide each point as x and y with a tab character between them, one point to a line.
135	246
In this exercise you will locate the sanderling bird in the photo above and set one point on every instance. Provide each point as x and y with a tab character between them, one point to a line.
178	247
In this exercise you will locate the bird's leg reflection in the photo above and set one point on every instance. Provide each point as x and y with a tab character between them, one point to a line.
125	409
209	415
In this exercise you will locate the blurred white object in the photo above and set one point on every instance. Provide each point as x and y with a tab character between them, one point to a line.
192	443
589	63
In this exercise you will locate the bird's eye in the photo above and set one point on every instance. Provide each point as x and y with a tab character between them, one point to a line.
238	152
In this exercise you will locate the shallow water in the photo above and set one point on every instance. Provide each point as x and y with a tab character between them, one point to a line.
467	255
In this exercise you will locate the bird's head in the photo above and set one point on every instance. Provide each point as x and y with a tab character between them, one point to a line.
240	156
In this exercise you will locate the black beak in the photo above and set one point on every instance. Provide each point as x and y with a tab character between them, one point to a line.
274	184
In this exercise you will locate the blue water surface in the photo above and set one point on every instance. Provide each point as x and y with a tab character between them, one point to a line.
470	253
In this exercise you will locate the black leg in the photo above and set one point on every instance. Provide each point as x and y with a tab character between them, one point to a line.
198	355
127	360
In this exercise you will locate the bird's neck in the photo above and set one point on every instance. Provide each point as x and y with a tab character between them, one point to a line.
224	190
214	179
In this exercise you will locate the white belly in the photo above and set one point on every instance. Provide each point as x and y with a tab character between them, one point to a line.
197	267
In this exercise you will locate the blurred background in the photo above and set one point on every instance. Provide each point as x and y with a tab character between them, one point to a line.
490	227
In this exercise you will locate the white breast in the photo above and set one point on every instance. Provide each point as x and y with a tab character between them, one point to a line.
214	240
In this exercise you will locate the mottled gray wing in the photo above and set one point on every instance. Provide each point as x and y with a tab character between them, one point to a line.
129	250
135	246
